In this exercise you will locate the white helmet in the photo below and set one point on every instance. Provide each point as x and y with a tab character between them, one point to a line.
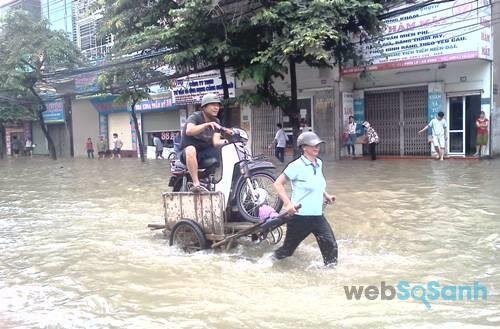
308	138
210	98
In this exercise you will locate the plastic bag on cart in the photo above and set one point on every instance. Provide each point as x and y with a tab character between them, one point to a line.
266	212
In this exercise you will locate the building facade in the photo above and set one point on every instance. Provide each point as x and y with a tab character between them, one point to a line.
435	59
495	114
59	14
31	6
23	130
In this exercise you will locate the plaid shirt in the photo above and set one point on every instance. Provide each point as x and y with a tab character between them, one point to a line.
372	135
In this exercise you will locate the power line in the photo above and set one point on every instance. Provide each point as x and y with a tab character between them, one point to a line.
157	53
440	10
69	73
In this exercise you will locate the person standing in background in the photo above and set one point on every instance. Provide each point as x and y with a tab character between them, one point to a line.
16	146
117	146
89	147
280	140
372	138
351	139
28	147
158	147
481	133
102	147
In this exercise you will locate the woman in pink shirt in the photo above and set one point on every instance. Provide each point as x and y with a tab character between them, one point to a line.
481	133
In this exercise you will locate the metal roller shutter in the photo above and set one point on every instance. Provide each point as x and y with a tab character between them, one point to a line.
397	115
414	119
383	111
264	120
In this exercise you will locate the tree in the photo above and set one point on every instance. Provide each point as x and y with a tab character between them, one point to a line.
261	40
29	49
206	33
128	21
128	83
198	34
315	32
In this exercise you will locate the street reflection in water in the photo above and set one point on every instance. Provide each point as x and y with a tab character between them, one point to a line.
75	250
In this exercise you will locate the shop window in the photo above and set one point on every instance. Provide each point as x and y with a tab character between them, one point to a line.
166	137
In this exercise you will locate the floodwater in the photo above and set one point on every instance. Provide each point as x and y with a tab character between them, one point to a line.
75	251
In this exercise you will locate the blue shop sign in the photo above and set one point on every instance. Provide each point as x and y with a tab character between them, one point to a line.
54	113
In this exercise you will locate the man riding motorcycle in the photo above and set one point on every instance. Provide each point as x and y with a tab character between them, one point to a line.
201	137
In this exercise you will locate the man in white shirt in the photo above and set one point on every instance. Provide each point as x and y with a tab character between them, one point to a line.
280	139
439	134
117	146
158	147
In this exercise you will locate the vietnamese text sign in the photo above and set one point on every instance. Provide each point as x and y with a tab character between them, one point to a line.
359	110
54	113
440	32
347	107
190	89
86	82
154	104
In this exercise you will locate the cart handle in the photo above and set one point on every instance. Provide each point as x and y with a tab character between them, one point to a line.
250	229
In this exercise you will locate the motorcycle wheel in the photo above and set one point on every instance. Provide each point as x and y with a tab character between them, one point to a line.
248	209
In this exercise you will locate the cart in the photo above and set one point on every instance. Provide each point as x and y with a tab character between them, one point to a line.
197	221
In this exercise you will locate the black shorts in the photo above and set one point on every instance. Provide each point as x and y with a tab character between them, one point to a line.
16	151
210	152
116	151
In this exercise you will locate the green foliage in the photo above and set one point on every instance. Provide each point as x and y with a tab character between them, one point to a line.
28	49
129	83
257	39
12	111
317	32
132	23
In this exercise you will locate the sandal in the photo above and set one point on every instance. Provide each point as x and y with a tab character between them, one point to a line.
198	189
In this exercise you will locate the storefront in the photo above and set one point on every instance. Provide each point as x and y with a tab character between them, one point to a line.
397	114
424	68
16	133
265	119
155	116
55	122
166	125
315	110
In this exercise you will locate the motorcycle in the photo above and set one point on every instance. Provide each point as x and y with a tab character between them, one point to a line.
245	181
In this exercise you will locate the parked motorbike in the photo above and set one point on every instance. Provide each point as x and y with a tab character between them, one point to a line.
245	181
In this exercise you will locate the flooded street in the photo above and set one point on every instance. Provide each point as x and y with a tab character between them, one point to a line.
75	251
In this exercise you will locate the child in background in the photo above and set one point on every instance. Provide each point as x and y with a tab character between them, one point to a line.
89	147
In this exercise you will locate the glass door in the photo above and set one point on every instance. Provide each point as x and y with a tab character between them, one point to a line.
456	135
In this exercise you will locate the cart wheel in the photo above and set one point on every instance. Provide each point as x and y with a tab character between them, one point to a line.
188	236
272	237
